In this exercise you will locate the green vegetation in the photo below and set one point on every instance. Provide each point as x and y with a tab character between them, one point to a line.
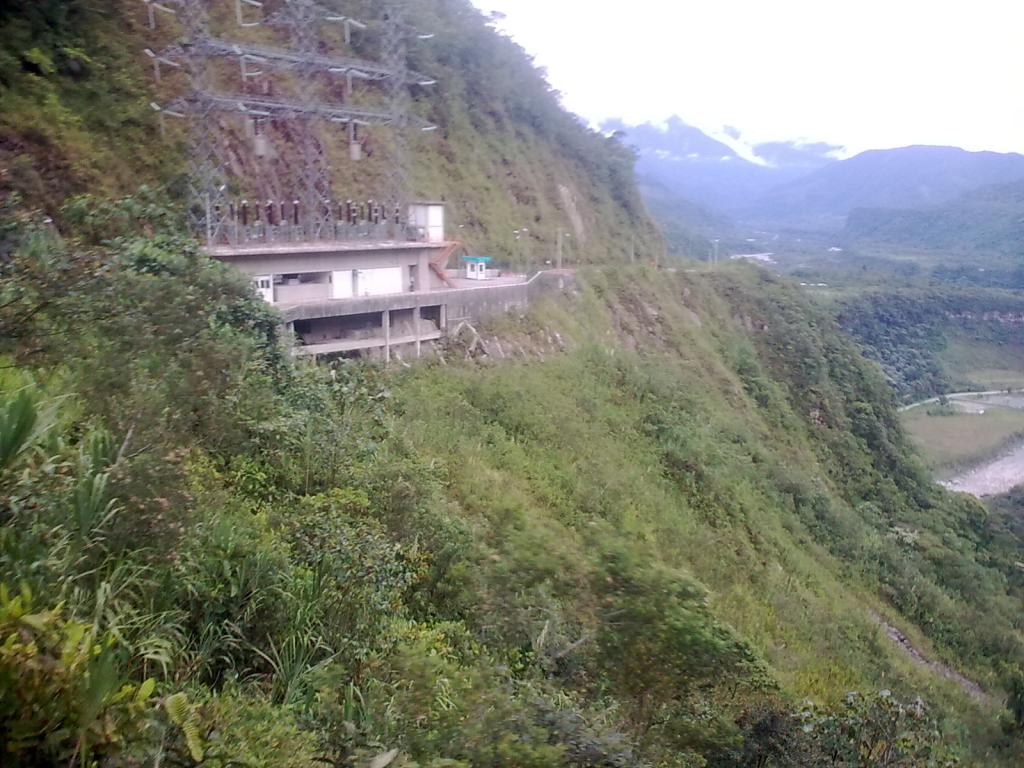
76	117
937	340
983	361
667	545
647	550
76	112
986	220
950	440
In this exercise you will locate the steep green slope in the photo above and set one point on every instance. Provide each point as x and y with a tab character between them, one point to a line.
688	510
646	545
75	114
76	91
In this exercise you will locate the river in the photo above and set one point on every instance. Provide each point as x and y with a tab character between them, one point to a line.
993	478
1002	473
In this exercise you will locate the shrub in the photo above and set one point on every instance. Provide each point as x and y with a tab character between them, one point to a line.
62	699
877	731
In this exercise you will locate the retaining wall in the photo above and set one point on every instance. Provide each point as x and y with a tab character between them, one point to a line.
473	304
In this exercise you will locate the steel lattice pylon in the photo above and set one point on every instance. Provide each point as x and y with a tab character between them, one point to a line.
207	177
299	119
395	56
314	175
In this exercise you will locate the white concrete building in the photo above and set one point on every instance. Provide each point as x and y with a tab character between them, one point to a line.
365	294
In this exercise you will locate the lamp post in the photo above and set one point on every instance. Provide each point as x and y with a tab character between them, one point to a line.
523	235
561	235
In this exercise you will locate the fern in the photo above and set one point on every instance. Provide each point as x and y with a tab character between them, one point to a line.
91	506
99	451
183	715
17	422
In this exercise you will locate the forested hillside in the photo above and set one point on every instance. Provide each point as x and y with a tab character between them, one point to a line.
76	117
666	519
907	177
921	336
985	221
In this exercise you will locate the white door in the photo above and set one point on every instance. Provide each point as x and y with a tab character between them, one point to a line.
264	285
342	284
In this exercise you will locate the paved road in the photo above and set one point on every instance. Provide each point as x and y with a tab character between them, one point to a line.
959	396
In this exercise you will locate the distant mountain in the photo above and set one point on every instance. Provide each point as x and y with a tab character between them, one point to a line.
687	226
697	184
718	174
990	219
910	177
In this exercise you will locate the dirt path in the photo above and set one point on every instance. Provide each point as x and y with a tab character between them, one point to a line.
970	687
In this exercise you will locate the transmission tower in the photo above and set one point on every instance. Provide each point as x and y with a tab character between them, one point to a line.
303	17
395	55
206	166
298	118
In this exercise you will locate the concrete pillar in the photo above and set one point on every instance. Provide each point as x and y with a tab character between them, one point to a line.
444	318
423	272
386	323
416	328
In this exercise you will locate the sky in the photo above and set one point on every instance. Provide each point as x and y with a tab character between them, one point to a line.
859	73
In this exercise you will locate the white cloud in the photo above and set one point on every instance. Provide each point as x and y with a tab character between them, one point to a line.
736	144
862	73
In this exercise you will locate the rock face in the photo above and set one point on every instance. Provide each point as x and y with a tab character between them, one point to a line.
568	198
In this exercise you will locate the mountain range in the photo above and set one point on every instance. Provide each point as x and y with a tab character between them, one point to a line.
799	186
908	177
721	173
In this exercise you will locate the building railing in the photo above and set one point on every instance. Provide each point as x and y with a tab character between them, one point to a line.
239	235
282	222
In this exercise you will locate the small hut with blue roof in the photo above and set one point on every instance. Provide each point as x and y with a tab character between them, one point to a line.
476	267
